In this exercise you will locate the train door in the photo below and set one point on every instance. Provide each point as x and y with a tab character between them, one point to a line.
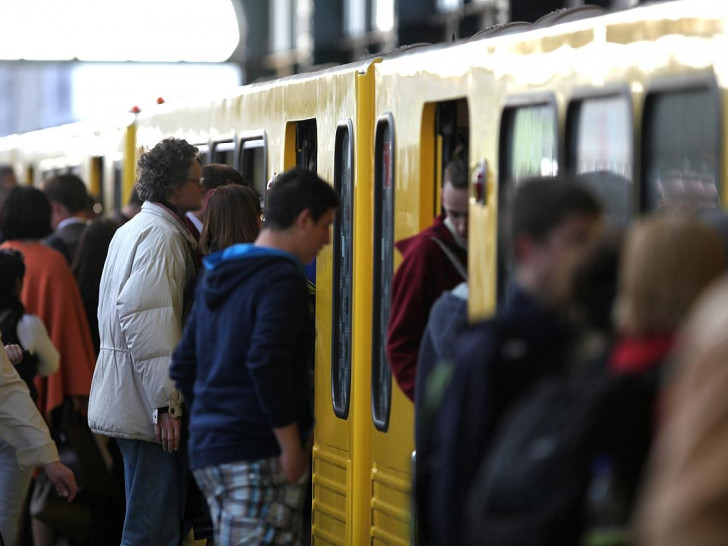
96	184
118	186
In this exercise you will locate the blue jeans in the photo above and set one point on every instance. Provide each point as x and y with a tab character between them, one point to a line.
155	494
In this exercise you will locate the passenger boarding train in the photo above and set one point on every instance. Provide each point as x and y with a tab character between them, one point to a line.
635	101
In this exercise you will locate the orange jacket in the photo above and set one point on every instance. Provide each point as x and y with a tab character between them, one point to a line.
50	292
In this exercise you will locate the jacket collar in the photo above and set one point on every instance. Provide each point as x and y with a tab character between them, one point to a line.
160	211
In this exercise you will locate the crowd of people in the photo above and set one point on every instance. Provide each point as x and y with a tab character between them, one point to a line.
108	322
587	410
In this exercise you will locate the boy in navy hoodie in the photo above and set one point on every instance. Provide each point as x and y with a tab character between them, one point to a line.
242	366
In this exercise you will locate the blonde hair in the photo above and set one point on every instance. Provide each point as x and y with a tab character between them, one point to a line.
667	261
232	216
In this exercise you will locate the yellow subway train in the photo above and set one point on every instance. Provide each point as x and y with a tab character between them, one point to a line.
633	101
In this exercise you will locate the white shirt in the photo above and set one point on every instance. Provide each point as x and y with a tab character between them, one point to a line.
194	221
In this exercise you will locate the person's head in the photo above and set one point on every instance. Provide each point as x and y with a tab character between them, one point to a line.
592	283
668	260
25	213
68	196
170	173
302	205
12	272
216	175
91	254
455	196
551	221
232	216
7	176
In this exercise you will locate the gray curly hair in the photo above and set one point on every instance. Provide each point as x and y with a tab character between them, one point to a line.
164	168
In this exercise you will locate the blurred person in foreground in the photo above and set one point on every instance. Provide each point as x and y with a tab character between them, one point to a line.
37	356
23	428
685	499
551	219
243	368
145	295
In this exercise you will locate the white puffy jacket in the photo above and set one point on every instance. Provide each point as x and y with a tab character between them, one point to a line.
148	272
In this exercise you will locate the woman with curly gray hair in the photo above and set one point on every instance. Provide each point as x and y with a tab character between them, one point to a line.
144	296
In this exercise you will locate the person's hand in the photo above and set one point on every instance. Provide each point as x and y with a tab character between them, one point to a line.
15	354
295	463
168	431
62	477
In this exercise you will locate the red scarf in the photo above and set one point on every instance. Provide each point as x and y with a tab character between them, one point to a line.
633	355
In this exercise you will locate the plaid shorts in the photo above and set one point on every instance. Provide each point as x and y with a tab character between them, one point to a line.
252	503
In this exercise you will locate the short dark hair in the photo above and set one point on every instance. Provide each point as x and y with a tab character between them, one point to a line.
541	204
68	190
456	172
25	213
6	170
219	174
164	168
12	270
294	191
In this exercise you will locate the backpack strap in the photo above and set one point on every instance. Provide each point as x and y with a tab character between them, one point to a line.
457	264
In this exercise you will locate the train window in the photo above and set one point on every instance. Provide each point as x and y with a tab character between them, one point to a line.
599	149
306	144
253	162
528	142
343	272
224	152
383	260
681	150
203	153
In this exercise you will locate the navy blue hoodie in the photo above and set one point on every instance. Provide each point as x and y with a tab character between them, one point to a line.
242	364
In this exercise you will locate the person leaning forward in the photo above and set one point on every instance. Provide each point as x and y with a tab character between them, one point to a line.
145	293
243	367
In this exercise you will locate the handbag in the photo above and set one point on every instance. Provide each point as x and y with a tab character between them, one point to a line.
77	450
70	519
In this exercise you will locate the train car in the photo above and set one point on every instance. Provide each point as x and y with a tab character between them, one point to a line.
100	152
633	102
321	121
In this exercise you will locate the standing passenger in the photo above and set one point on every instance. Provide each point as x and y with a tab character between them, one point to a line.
433	261
243	368
147	278
551	220
68	197
8	179
214	175
233	216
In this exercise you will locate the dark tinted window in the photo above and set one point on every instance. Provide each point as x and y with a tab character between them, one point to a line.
343	273
600	151
681	150
383	260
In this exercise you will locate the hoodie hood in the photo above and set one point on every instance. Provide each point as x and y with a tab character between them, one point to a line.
227	269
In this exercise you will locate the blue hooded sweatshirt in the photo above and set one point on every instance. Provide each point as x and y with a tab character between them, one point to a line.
243	362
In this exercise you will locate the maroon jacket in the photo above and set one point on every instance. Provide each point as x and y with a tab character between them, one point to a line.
424	274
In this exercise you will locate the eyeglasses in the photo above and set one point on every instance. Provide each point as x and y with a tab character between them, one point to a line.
200	181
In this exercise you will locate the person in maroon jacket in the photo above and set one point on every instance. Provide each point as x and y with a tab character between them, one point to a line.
433	261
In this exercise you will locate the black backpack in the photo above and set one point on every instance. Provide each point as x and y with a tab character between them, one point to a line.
531	484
